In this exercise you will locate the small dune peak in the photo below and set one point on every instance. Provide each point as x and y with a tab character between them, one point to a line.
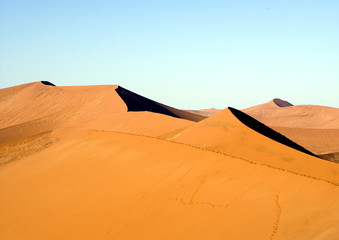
261	128
47	83
281	103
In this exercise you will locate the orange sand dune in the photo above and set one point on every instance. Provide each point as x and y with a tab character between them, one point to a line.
33	101
105	185
213	179
144	123
283	114
223	132
323	142
313	127
35	108
319	141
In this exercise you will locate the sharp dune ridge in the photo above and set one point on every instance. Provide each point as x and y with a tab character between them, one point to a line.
136	102
266	131
313	127
102	162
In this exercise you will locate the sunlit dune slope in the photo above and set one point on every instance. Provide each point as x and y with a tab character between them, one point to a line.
313	127
144	123
225	133
15	150
105	185
283	114
35	101
35	108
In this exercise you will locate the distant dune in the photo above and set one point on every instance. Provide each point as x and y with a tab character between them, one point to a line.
313	127
299	116
321	141
281	103
205	112
102	162
281	113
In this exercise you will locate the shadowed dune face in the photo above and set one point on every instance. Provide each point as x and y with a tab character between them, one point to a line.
136	102
313	127
266	131
281	103
334	157
225	133
224	177
47	83
38	107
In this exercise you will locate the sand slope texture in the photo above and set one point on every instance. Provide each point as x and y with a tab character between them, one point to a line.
102	162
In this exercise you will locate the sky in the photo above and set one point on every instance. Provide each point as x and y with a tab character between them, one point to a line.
186	54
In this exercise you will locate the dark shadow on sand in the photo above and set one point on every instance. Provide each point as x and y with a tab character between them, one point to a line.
266	131
47	83
136	103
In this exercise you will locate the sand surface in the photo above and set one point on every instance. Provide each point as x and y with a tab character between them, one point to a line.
35	108
76	164
224	133
319	141
314	127
105	185
299	116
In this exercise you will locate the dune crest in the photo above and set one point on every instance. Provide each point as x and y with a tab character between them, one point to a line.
266	131
136	102
225	133
295	116
102	162
39	107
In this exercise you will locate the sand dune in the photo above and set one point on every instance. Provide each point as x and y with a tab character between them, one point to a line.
319	141
313	127
323	142
299	116
205	112
334	156
34	101
224	133
104	185
15	150
35	108
150	171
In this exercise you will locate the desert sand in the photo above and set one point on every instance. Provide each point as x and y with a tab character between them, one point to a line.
281	113
87	163
313	127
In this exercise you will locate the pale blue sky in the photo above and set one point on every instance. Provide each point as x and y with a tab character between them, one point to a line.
187	54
